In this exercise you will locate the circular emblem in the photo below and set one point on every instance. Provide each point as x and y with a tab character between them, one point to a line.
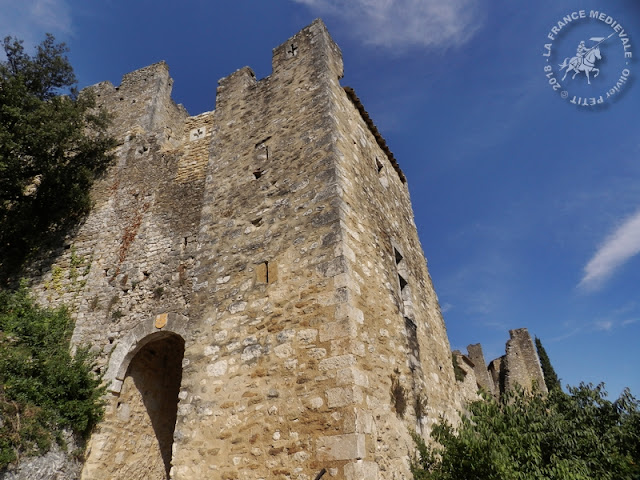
588	59
161	320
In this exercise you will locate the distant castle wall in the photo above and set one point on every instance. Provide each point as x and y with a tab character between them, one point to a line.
519	366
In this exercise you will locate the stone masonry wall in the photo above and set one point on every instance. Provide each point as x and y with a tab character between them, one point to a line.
403	355
521	362
519	366
480	368
273	239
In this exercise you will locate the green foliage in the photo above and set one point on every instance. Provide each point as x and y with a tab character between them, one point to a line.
551	380
48	158
43	388
578	435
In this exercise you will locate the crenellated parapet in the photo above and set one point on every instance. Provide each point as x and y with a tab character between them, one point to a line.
142	104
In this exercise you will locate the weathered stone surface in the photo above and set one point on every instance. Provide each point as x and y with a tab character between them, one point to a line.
55	465
519	366
276	233
341	447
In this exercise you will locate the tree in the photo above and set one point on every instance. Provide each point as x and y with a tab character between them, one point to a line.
53	144
551	380
43	388
578	435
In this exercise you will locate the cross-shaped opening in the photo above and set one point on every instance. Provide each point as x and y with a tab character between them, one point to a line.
293	50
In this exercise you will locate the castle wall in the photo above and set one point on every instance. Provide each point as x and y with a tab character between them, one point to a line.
480	369
469	385
274	236
521	363
404	359
267	287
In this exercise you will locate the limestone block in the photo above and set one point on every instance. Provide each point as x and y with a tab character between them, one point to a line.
340	329
341	447
361	470
343	396
339	362
352	375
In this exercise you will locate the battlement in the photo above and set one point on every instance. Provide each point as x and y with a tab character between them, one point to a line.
311	53
142	103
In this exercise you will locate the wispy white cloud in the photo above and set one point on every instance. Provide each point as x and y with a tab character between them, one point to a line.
400	24
603	325
618	248
446	307
612	322
29	20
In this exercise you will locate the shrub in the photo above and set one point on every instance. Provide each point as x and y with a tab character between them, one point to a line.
44	389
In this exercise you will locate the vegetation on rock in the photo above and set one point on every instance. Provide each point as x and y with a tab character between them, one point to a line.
44	390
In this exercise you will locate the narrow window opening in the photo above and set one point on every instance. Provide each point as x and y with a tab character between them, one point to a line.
410	324
262	152
398	256
411	329
266	273
257	174
403	282
379	165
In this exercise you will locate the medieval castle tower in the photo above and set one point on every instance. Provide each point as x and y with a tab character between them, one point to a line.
254	285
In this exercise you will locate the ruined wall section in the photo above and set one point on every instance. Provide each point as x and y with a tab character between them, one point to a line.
521	363
404	357
259	396
128	261
519	366
142	104
496	374
469	385
480	368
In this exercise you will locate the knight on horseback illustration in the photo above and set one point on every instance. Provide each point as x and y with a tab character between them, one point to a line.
585	59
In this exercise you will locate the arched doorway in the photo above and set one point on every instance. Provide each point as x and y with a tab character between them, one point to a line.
136	437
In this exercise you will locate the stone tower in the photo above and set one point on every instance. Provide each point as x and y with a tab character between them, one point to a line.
254	284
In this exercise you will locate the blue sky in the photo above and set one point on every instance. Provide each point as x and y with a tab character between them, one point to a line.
528	206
